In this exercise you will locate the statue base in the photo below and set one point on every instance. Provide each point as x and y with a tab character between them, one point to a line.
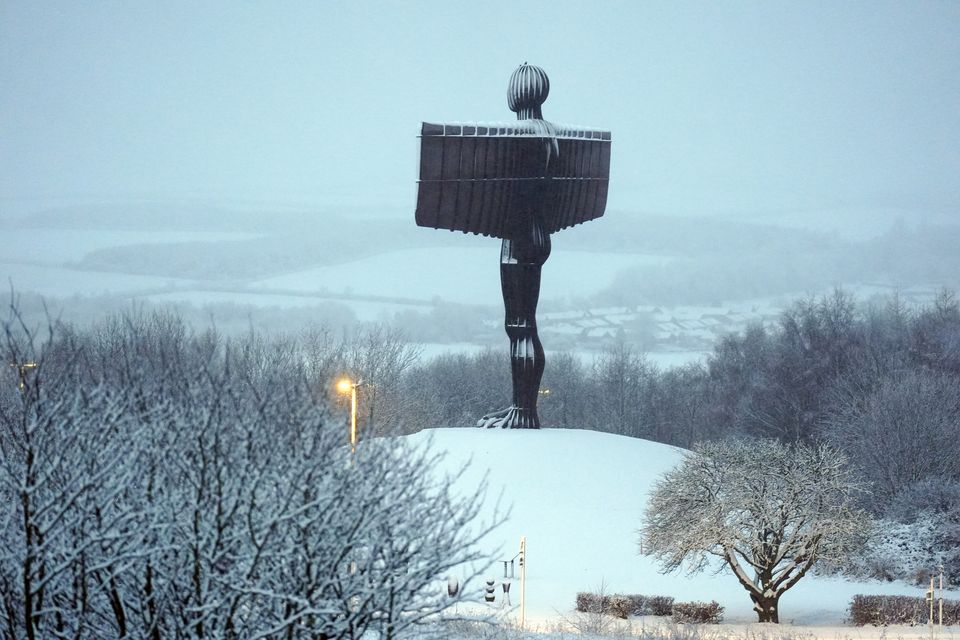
511	418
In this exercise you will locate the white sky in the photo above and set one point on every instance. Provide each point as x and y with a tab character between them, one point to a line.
714	107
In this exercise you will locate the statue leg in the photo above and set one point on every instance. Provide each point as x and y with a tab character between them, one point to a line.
521	261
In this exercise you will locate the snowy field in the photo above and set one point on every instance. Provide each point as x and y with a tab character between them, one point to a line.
63	282
853	223
578	497
380	287
441	272
363	310
41	260
58	246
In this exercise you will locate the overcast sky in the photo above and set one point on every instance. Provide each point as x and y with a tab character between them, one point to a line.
714	107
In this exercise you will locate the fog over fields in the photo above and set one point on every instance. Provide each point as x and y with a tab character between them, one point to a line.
256	165
669	285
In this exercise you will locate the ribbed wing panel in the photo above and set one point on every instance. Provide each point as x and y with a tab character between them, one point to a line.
485	179
579	183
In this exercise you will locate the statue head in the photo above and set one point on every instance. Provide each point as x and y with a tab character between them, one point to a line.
528	89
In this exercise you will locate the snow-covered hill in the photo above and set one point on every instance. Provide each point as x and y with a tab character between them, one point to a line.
578	497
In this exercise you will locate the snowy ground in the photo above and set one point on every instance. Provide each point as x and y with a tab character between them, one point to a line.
578	497
655	629
378	288
63	282
58	246
851	222
440	272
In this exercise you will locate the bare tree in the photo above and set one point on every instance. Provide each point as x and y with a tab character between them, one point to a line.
622	379
69	526
770	511
900	431
454	388
380	356
158	483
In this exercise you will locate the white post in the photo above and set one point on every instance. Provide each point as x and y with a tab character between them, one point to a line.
941	595
353	417
523	579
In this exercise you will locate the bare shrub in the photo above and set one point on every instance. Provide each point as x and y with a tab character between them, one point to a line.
697	612
886	610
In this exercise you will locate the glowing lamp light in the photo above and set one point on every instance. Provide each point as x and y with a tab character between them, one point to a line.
346	385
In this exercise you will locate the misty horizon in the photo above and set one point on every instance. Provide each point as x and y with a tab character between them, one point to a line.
736	108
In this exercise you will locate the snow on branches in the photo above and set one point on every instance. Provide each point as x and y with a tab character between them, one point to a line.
156	483
769	510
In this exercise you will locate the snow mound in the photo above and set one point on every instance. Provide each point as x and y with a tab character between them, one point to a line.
578	497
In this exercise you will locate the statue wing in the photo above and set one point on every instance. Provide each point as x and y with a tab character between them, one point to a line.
579	180
486	179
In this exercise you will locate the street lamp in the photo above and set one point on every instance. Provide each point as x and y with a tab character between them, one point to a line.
346	385
542	394
22	369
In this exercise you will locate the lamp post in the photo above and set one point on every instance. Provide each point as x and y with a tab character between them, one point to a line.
346	385
523	580
22	369
542	393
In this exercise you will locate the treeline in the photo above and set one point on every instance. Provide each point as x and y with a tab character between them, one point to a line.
880	381
773	262
231	319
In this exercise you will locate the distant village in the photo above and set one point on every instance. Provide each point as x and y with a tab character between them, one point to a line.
681	328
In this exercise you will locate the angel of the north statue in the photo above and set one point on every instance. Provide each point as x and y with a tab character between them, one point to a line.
518	181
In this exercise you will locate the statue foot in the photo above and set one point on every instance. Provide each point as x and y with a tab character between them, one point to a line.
510	418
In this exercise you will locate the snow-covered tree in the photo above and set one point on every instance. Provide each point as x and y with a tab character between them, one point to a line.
770	511
380	356
900	431
68	527
919	531
159	483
